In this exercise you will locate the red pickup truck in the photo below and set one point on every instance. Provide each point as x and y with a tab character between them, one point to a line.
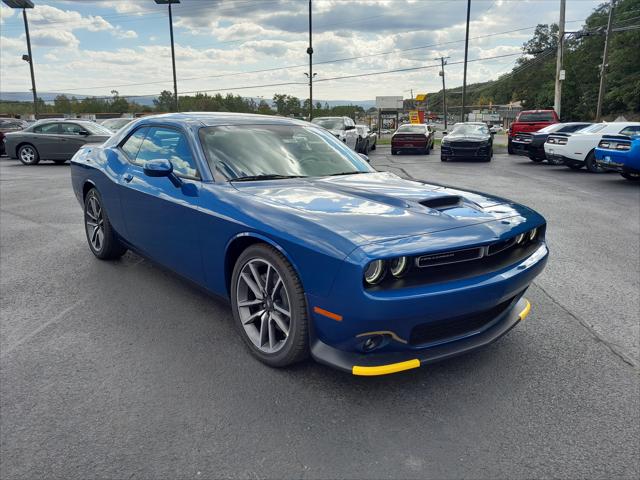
528	121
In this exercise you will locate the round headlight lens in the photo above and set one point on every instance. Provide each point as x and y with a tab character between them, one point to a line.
532	233
374	272
398	266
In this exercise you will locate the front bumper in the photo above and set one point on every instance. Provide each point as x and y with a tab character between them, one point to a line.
452	151
393	362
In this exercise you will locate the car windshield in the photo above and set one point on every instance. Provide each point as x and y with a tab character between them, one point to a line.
329	123
469	129
116	123
411	129
268	151
536	117
96	129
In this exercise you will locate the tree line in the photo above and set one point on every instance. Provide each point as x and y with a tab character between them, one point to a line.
532	79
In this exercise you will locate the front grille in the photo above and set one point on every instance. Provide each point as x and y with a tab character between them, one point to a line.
463	144
449	257
457	326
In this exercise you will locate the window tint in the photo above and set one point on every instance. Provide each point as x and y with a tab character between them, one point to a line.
631	130
47	128
132	144
171	145
535	117
70	129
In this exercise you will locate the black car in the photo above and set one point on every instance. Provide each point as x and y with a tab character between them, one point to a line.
532	144
366	139
56	140
10	125
467	140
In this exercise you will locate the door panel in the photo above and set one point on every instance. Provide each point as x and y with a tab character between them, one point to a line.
46	139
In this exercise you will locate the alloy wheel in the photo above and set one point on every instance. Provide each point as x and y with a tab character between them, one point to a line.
263	305
94	223
27	154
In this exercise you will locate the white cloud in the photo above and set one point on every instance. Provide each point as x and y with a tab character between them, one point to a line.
54	38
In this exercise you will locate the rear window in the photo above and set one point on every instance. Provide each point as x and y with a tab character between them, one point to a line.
536	117
411	129
596	127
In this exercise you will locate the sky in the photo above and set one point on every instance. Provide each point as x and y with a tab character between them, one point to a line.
91	47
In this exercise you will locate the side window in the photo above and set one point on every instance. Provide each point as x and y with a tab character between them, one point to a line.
631	130
50	128
70	129
132	144
171	145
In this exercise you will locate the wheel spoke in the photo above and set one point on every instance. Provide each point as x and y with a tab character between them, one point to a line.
284	328
252	285
282	310
252	317
249	303
266	279
256	276
276	287
94	235
92	224
100	237
272	333
264	319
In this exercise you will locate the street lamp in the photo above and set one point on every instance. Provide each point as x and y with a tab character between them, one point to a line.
310	74
24	4
173	52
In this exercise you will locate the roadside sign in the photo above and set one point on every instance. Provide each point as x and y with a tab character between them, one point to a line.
390	102
421	97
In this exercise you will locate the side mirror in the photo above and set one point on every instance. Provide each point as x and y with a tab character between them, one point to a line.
84	133
364	157
444	133
349	127
161	168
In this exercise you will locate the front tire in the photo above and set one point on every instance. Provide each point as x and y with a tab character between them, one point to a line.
269	306
394	152
510	149
28	154
101	237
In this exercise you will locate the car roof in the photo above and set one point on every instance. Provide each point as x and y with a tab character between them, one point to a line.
212	119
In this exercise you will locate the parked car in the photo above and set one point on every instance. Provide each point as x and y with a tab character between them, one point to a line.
496	129
577	150
367	140
10	125
53	140
115	124
620	153
529	121
318	253
413	137
467	140
343	128
532	144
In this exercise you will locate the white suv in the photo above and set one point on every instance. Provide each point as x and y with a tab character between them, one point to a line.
343	128
577	150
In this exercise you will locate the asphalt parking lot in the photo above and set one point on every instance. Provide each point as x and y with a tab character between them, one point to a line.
123	370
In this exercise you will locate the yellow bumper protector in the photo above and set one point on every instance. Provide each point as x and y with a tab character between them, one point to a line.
523	314
385	369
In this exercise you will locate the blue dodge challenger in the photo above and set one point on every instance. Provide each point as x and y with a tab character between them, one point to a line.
318	253
620	153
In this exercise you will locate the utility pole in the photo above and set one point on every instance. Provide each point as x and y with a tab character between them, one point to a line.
444	91
310	52
173	52
559	60
33	77
466	52
605	58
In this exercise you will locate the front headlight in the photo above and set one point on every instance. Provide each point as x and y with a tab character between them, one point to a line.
374	272
532	234
398	266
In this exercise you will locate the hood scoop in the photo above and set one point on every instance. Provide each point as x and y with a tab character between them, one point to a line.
442	202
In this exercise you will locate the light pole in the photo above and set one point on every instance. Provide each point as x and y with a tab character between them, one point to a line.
310	74
173	52
558	90
605	59
24	4
444	91
466	52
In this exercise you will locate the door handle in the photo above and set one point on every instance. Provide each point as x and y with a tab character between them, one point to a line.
127	177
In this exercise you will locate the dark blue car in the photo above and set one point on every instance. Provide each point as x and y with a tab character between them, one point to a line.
318	253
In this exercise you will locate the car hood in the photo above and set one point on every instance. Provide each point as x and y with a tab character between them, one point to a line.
381	206
467	138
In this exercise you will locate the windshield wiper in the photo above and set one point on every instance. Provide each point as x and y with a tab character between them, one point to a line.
249	178
346	173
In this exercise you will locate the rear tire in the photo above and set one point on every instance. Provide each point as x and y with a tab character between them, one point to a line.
28	154
394	152
443	158
535	159
102	239
273	337
59	162
591	164
575	166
